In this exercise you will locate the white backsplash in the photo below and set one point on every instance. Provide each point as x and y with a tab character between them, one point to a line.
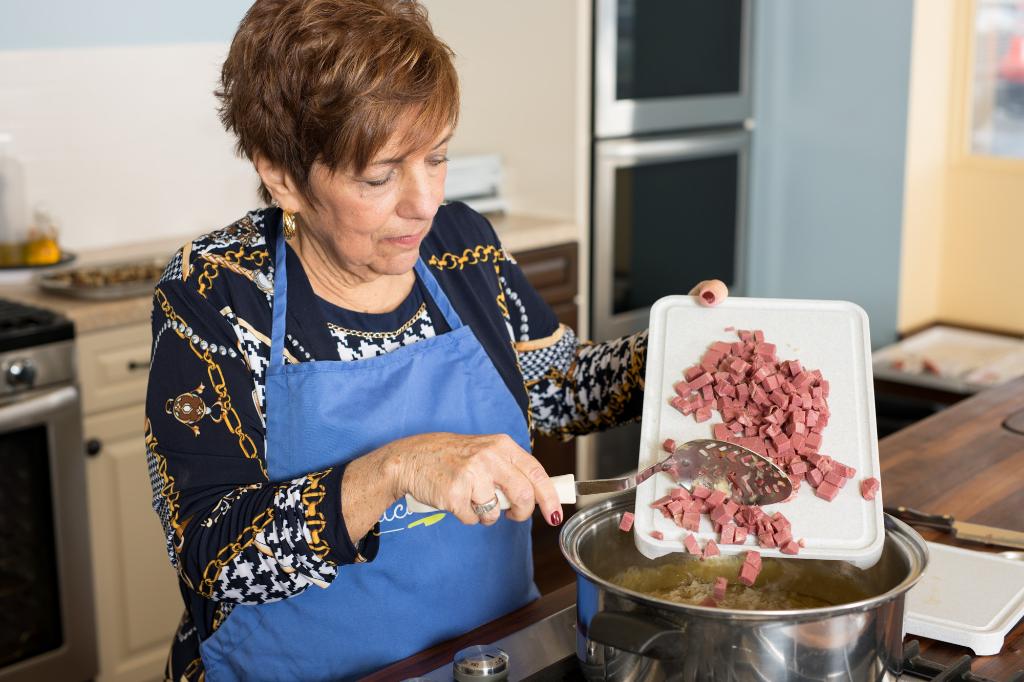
123	144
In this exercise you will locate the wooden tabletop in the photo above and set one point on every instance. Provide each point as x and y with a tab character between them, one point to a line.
960	461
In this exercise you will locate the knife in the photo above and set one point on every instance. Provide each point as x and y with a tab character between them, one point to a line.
959	529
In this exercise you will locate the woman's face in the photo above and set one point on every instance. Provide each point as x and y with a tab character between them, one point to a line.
371	222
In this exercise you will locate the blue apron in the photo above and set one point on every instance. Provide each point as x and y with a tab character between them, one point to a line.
433	578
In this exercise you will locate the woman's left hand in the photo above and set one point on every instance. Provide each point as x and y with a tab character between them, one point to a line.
710	292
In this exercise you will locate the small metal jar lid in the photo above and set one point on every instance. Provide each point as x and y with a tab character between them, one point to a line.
479	663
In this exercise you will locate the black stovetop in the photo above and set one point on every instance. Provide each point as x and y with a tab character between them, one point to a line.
23	326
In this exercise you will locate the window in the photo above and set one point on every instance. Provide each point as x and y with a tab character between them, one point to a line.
997	80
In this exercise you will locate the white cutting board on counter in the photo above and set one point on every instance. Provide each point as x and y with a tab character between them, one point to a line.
831	336
968	598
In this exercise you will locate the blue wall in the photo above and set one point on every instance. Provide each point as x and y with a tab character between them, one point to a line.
830	103
87	23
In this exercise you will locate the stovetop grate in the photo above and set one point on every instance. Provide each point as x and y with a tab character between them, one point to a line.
22	326
915	667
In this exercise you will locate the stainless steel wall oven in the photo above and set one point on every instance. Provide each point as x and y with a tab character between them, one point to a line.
46	605
671	148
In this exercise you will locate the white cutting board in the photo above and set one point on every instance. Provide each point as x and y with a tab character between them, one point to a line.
831	336
968	598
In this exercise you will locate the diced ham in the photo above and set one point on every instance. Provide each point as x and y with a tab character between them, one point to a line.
691	545
626	524
657	535
701	381
669	445
826	491
869	487
748	574
791	547
721	584
691	521
711	549
679	494
716	498
728	534
700	492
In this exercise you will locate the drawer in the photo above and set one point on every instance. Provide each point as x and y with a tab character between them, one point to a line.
552	271
113	367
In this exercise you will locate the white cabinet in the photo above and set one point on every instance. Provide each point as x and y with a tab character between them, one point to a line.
137	599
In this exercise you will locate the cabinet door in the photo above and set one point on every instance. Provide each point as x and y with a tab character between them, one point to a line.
552	271
137	599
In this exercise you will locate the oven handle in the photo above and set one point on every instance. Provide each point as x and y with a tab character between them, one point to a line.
37	407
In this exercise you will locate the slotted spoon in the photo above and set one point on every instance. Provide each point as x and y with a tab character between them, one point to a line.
744	475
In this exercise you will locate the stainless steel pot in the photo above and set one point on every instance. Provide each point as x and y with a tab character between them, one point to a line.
626	635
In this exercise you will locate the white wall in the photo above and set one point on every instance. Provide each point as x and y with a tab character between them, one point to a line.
117	130
123	143
523	93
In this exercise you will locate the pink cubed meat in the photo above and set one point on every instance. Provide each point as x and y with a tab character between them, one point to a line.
691	545
753	558
657	535
669	445
728	534
702	414
626	524
711	549
679	494
740	536
791	547
748	574
691	521
700	492
826	491
869	487
701	381
716	498
691	373
721	584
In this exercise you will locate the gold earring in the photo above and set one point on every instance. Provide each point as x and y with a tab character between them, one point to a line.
289	224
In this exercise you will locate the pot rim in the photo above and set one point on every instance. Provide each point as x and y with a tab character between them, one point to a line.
915	550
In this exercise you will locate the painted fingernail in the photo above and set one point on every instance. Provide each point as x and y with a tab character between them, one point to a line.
708	296
556	518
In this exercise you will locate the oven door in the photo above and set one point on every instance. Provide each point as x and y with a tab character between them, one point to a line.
669	211
46	607
670	65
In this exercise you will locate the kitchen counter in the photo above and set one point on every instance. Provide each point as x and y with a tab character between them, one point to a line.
960	461
518	233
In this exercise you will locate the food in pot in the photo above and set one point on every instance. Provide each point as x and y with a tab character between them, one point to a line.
780	584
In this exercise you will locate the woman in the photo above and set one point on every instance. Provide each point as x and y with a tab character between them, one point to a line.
316	361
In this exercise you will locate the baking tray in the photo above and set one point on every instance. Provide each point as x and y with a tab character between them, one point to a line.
963	360
832	336
105	281
966	597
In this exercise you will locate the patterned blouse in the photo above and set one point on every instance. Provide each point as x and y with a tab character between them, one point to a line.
233	535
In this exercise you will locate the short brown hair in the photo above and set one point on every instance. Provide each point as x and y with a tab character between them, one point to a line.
328	81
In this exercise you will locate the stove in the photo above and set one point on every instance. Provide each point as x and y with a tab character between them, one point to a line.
546	652
46	605
36	349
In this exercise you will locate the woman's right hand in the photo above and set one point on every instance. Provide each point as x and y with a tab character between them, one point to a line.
453	472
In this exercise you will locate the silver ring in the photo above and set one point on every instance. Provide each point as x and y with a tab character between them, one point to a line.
485	508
